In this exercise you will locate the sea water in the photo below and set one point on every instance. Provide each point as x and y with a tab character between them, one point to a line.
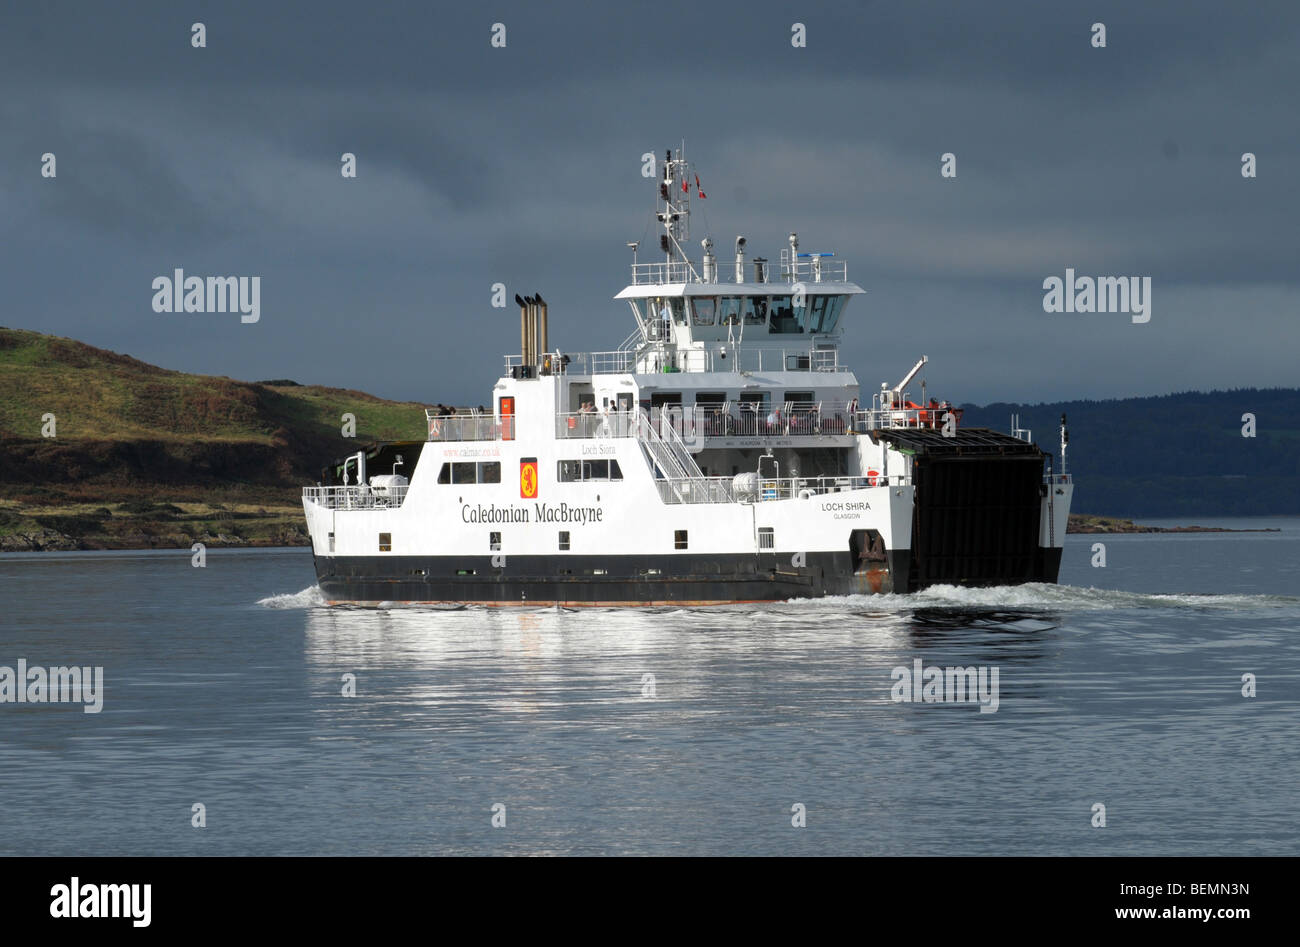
242	716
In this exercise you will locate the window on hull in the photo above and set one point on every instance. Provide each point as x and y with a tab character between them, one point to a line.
579	471
467	472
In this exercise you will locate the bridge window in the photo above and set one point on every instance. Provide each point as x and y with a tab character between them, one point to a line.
755	310
704	308
673	307
729	310
825	313
489	472
784	319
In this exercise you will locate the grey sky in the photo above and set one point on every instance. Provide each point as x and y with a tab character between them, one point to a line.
522	165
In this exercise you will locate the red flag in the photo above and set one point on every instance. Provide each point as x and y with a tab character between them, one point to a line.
684	187
698	188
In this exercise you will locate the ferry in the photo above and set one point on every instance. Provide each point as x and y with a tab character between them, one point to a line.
723	453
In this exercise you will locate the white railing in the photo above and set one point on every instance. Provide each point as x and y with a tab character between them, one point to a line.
462	427
788	419
667	453
594	424
671	437
805	359
723	489
811	270
578	363
728	419
931	417
657	359
356	497
676	271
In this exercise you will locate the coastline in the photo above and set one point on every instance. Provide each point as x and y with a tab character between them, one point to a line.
234	526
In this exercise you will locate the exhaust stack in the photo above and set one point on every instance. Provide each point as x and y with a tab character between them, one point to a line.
543	332
524	306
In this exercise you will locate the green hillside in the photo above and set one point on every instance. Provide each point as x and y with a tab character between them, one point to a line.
147	456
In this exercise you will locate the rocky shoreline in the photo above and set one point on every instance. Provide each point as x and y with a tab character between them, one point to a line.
147	525
1080	523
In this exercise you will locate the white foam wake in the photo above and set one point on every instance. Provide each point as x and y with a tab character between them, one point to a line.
1067	597
309	597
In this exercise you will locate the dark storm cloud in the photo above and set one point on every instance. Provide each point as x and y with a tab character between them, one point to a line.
522	166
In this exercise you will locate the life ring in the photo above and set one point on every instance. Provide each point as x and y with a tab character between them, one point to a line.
873	477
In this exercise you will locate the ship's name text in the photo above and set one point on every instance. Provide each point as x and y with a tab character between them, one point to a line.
539	513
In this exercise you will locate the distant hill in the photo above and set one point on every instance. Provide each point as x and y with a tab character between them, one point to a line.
129	434
1179	455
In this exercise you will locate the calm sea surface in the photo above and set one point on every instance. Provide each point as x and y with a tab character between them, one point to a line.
223	686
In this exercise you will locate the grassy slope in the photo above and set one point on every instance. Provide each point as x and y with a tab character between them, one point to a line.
148	456
100	395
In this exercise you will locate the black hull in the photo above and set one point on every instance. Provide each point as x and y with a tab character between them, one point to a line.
628	580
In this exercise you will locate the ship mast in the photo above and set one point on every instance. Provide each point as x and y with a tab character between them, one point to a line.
673	211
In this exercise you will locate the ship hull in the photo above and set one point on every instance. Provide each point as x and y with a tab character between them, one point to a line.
629	580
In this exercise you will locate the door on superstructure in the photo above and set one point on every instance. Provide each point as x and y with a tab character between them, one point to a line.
506	412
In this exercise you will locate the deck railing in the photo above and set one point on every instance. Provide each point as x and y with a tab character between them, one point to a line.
356	497
811	270
667	358
878	418
462	427
723	489
728	419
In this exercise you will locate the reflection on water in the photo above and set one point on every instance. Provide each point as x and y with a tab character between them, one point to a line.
656	731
